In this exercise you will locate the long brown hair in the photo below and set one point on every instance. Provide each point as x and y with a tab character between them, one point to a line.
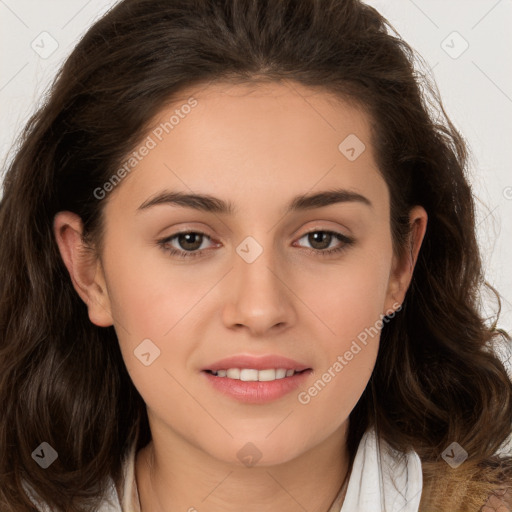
63	380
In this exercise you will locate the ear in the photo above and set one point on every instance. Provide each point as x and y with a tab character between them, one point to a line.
403	267
84	267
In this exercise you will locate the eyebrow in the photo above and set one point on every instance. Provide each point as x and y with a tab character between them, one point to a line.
208	203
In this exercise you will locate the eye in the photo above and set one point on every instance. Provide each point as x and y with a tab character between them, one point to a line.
321	240
190	243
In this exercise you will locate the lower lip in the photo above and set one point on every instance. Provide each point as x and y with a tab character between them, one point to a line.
256	392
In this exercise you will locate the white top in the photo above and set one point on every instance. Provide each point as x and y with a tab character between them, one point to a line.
370	486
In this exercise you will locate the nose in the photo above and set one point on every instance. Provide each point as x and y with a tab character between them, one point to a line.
258	298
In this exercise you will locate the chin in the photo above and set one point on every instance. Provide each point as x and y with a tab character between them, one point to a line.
260	452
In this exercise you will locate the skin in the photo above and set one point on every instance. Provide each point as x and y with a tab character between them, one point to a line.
257	147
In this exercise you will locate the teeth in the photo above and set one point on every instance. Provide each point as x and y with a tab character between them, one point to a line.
266	375
233	373
281	373
248	375
252	375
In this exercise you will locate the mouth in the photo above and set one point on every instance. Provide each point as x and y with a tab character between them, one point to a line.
256	386
256	378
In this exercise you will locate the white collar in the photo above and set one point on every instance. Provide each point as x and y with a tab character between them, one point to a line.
383	479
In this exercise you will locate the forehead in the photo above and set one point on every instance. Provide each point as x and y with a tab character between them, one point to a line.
267	137
269	106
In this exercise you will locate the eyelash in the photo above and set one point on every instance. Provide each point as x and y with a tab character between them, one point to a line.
347	242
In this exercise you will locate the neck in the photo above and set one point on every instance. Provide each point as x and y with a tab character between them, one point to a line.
184	478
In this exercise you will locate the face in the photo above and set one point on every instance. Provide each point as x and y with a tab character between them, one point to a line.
280	282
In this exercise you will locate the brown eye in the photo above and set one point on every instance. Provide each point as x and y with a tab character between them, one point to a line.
320	242
320	239
186	244
189	241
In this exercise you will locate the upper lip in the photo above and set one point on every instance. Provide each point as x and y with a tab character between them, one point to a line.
257	363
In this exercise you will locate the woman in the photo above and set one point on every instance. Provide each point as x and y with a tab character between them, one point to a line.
168	341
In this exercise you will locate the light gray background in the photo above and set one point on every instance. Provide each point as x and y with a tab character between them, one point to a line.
476	87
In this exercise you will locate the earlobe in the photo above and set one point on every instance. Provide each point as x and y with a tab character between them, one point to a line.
403	268
84	267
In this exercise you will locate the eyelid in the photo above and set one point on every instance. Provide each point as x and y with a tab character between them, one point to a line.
330	231
167	239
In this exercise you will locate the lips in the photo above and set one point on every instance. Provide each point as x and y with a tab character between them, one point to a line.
256	379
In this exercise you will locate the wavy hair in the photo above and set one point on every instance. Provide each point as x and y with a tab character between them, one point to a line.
63	381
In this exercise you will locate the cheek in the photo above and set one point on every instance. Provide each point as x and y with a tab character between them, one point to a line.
348	302
350	310
150	293
349	296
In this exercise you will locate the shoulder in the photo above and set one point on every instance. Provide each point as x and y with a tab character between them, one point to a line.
479	485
